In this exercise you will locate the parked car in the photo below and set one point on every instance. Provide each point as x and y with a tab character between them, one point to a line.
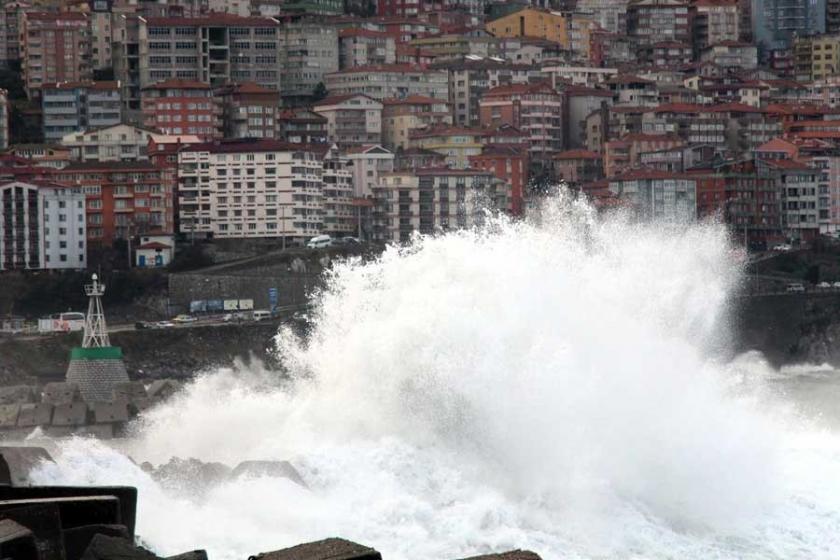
795	288
140	325
836	285
184	319
164	325
782	247
319	242
233	317
824	286
261	315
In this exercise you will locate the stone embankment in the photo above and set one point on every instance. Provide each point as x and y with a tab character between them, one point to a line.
98	523
149	354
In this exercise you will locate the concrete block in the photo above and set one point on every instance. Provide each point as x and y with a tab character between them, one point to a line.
17	462
17	542
9	415
107	412
70	414
510	555
37	414
61	393
280	469
103	547
17	394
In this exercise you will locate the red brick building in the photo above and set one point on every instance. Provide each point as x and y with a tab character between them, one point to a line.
123	198
182	107
510	164
55	47
249	110
535	109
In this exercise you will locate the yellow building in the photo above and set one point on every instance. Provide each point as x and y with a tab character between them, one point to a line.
816	58
532	22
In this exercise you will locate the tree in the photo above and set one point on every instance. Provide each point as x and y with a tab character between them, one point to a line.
320	92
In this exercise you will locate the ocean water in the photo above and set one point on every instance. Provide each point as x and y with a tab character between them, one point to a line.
562	386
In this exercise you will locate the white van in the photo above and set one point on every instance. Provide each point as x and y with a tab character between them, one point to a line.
261	315
320	241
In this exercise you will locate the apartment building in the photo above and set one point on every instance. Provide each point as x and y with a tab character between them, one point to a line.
352	120
716	21
120	142
532	22
55	47
308	52
509	164
776	22
251	188
387	81
363	47
249	110
301	126
42	225
213	49
611	15
798	186
100	20
470	79
535	109
816	58
69	107
369	164
177	107
652	21
125	49
434	200
123	198
732	55
11	17
657	195
339	216
4	119
401	116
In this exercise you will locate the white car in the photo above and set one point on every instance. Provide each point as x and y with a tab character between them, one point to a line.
782	247
164	325
835	285
796	288
824	286
184	319
319	242
261	315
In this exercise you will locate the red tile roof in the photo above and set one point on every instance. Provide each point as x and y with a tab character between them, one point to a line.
154	245
387	68
413	100
105	86
518	89
178	83
577	154
213	18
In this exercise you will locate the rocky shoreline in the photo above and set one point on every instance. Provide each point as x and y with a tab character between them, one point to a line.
98	523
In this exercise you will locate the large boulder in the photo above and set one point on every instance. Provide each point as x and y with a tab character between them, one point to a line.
278	469
103	547
510	555
328	549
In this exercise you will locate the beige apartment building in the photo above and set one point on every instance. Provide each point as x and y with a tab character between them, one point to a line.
352	120
388	81
401	116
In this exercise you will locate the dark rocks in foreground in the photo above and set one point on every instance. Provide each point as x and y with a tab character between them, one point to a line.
328	549
97	523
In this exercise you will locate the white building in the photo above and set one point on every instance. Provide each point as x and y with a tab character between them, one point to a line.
389	80
120	142
369	163
434	200
154	251
251	188
339	215
42	225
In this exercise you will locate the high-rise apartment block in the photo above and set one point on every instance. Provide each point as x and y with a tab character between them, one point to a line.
215	49
55	47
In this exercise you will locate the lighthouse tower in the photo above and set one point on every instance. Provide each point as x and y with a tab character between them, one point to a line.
96	366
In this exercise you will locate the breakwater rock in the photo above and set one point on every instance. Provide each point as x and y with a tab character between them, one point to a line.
98	523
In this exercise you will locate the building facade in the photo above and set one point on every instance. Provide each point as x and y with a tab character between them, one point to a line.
352	120
77	106
42	225
177	107
389	81
249	110
215	49
55	47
